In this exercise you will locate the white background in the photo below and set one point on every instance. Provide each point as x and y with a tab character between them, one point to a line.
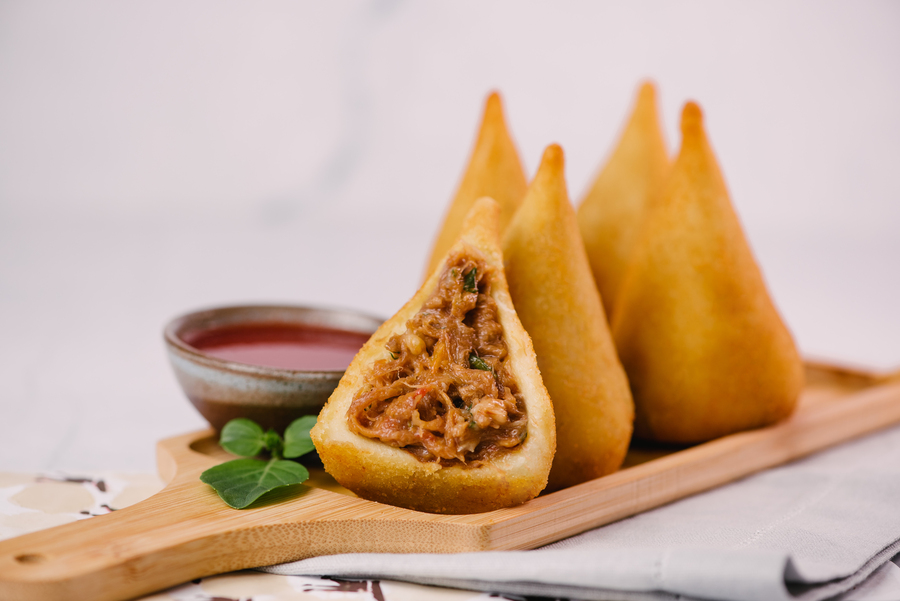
158	157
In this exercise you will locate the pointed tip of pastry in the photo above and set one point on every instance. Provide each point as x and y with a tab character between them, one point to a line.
647	92
551	172
482	222
493	131
645	106
493	109
549	183
554	159
691	119
493	101
483	208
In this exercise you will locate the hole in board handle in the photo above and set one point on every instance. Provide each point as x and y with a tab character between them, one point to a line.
30	558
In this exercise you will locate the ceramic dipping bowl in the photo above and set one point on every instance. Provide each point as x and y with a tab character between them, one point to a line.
271	364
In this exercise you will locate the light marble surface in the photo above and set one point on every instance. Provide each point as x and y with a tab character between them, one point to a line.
160	157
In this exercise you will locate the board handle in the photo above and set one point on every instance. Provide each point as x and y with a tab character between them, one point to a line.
181	533
155	544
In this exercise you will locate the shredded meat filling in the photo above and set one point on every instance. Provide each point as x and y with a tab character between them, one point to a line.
445	392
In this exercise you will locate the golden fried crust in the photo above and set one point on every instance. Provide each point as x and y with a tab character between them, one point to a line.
612	211
551	285
706	352
494	170
380	472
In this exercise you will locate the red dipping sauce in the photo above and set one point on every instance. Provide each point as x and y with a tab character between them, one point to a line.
283	346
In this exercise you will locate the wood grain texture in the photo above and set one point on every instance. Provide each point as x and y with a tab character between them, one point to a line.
186	532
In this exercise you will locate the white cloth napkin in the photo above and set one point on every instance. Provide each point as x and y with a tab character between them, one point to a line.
806	531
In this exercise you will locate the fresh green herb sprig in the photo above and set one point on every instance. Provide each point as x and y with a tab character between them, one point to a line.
242	481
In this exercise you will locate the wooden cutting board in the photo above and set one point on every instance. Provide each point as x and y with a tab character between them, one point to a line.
185	531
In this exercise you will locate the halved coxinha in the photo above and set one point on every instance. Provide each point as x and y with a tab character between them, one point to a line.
443	410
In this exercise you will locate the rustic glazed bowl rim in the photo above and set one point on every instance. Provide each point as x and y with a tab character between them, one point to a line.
172	330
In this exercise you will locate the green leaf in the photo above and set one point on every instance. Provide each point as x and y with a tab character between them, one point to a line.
242	437
476	362
242	481
469	284
296	438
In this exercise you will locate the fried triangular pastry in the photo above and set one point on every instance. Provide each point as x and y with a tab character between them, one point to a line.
555	297
706	352
443	409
